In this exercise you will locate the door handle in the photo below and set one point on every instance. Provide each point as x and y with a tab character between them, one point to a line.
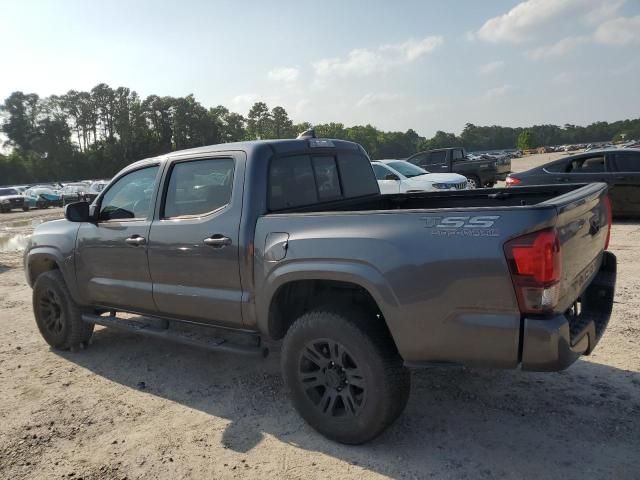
136	240
217	241
621	178
562	179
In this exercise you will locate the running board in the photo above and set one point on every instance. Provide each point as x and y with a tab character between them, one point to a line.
185	338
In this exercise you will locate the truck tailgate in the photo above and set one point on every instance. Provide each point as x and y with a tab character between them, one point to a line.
583	227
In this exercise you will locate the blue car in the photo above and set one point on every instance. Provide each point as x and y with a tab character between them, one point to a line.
41	197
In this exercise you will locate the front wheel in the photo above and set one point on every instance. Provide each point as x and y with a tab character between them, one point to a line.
344	374
25	208
58	317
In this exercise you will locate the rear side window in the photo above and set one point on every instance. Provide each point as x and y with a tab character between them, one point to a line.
628	162
302	180
457	155
198	187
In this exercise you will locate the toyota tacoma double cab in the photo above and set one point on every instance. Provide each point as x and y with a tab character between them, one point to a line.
289	245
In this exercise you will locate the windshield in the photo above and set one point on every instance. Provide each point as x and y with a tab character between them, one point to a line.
8	191
407	169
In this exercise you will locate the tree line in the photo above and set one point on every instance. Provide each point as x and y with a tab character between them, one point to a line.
93	134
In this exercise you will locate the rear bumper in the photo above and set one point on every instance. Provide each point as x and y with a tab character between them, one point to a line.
554	344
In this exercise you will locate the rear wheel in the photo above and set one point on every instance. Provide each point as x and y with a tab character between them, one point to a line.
472	182
25	208
344	374
58	318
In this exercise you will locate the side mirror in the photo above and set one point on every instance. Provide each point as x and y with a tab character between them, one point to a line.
77	212
391	176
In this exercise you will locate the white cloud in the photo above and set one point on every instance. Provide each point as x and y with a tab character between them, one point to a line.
363	61
500	91
491	67
619	31
284	74
244	99
377	98
558	49
527	20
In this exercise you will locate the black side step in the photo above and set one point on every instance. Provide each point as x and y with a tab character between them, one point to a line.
185	338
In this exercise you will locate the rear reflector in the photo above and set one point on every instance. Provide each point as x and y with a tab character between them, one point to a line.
512	181
535	263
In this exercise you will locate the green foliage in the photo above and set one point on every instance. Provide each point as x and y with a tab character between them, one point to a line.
94	134
525	140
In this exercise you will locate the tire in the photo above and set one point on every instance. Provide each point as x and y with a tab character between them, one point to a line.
472	182
57	316
25	208
353	393
40	204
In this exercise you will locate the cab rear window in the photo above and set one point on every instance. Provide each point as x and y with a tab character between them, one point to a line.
302	180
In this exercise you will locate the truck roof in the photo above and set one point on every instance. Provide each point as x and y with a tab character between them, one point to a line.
281	146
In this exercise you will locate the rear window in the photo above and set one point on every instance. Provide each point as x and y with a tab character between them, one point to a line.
8	191
302	180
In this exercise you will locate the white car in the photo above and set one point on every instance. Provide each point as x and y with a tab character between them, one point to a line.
398	176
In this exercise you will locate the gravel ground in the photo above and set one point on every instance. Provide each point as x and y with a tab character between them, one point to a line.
132	408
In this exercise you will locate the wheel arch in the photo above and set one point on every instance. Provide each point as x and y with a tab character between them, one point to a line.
297	289
44	259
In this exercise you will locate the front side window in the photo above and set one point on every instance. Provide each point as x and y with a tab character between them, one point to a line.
587	165
457	155
628	162
437	158
420	159
199	187
130	197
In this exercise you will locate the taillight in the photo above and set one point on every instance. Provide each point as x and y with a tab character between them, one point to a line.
512	181
535	263
607	203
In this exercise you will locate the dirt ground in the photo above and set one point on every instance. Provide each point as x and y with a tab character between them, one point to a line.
139	408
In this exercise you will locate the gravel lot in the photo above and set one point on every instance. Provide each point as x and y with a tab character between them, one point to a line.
132	408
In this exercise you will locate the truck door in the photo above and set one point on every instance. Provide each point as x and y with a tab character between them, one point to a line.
193	242
437	162
111	253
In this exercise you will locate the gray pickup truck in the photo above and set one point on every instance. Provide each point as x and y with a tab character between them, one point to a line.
288	245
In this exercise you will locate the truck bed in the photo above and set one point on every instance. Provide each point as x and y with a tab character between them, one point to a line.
479	198
436	261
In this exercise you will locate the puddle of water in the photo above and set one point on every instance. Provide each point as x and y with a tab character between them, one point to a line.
14	243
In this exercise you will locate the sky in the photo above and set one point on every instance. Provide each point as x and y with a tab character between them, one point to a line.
426	65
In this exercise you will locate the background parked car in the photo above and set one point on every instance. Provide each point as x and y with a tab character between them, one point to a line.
41	197
10	198
398	176
620	168
74	192
95	189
